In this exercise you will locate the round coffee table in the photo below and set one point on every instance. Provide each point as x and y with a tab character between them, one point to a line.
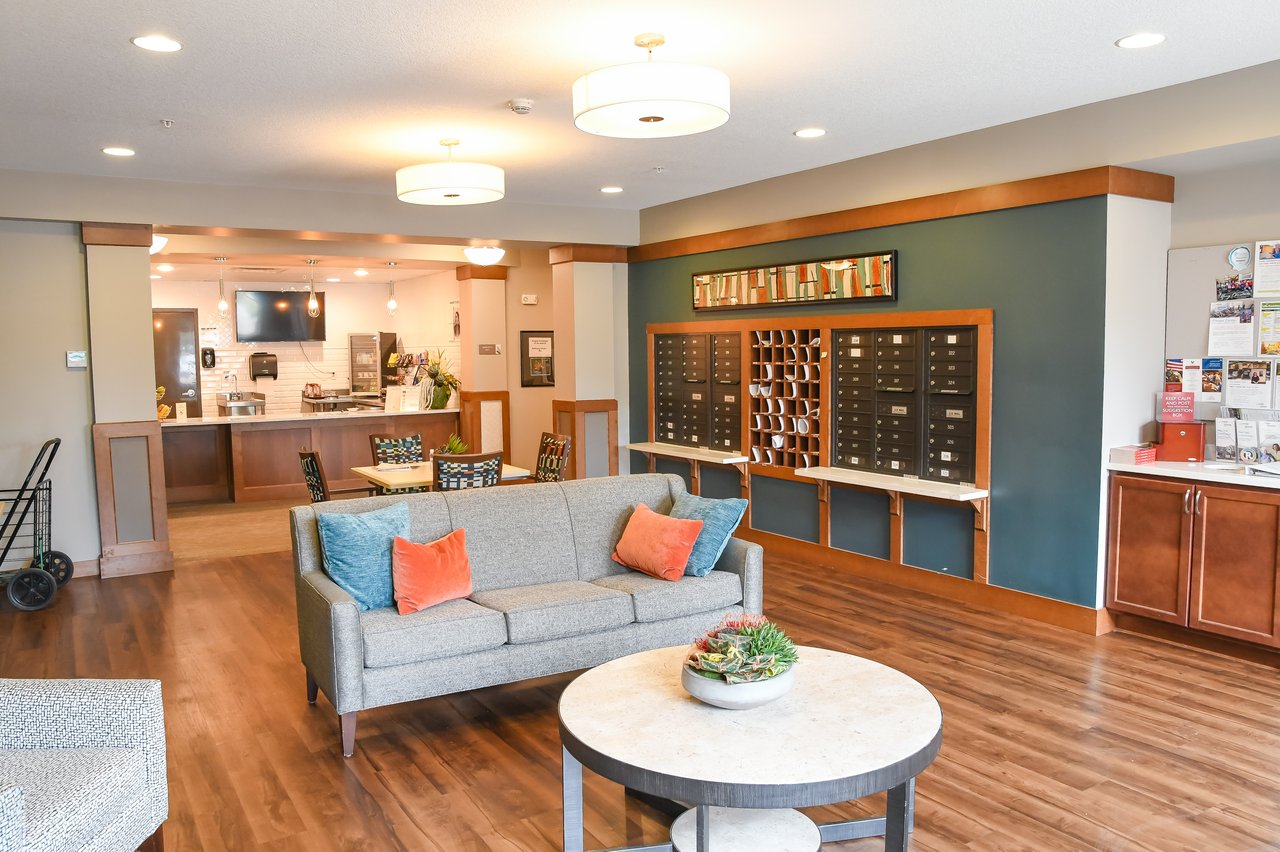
849	727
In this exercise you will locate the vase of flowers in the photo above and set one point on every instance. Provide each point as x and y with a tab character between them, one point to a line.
745	661
442	382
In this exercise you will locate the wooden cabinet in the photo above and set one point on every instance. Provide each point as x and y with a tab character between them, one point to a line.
1202	556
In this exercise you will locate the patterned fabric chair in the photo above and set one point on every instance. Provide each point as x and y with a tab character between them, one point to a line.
388	449
82	765
477	470
317	484
553	457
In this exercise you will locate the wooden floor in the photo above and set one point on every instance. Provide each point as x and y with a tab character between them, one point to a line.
1052	740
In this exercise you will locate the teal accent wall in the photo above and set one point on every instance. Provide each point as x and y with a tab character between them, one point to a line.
938	536
860	521
1042	270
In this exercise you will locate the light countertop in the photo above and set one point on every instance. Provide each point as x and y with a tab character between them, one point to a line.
1224	473
297	416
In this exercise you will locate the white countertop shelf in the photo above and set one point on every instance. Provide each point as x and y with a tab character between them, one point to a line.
297	416
691	453
898	484
1224	473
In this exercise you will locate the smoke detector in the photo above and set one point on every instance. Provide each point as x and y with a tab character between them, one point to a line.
520	106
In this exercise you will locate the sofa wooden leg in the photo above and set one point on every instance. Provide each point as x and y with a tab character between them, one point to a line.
154	843
347	722
313	688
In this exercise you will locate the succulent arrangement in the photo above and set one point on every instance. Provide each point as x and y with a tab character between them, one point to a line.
455	446
742	649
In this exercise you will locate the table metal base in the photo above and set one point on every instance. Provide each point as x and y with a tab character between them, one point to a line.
895	826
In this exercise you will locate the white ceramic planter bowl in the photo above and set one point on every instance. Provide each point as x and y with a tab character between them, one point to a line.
736	696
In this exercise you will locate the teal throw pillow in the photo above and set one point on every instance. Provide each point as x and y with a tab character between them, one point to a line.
719	519
357	552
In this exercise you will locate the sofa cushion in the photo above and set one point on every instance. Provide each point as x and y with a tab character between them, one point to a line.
515	536
719	519
554	610
357	552
70	794
423	575
658	545
600	509
657	600
444	630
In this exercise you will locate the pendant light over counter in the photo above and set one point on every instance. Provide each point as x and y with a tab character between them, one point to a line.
651	100
223	307
450	182
313	304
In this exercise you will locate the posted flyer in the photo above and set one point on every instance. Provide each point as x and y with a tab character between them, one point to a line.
1224	439
1269	328
1248	384
1231	328
1266	269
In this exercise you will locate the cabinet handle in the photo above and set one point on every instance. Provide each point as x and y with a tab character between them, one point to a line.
1199	494
1186	502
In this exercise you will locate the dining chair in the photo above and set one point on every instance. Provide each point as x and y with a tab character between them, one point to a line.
475	470
553	457
317	484
388	449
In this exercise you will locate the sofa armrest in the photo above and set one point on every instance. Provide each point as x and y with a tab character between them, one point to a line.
90	714
329	639
13	819
746	559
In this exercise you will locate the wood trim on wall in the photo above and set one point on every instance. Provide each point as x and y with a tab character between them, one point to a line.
1086	183
587	254
469	271
569	417
113	234
133	557
1082	619
469	419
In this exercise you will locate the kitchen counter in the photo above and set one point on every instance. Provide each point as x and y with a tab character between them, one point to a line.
1224	473
362	413
255	457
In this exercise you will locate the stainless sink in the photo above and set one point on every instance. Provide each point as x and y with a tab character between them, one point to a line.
241	404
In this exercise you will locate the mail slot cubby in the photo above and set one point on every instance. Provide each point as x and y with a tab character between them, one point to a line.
785	390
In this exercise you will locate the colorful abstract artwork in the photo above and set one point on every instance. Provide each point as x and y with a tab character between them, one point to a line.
871	276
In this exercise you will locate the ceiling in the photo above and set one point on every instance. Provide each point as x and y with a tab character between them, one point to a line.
338	95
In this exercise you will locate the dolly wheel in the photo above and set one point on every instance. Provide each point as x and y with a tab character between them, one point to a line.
32	589
59	565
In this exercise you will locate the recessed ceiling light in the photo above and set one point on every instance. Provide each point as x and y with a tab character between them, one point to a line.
362	272
333	280
164	267
1140	40
809	133
610	190
115	151
156	43
155	277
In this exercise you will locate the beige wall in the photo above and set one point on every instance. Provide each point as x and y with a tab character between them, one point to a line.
1230	205
43	313
484	322
1193	116
530	407
121	352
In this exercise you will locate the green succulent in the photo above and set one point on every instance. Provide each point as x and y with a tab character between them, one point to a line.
742	649
455	446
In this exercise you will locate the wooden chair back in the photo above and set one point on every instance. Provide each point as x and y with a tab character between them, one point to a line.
388	449
553	457
313	474
473	470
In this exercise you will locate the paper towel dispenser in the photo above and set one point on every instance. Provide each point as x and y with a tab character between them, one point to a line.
263	365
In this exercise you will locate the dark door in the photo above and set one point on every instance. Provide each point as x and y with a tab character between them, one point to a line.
177	358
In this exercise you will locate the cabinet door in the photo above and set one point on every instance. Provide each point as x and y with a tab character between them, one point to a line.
1234	566
1149	558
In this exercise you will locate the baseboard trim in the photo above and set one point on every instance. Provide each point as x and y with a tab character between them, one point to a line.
126	565
1081	619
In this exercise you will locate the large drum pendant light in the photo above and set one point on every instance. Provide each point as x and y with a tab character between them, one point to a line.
450	182
651	100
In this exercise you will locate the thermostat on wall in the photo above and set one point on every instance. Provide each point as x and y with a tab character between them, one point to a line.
77	359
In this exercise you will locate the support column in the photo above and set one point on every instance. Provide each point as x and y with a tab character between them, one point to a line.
589	287
485	418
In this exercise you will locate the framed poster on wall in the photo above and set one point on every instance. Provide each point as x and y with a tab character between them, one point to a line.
537	359
850	278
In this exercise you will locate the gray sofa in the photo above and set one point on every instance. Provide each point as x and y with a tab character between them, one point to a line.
82	765
547	597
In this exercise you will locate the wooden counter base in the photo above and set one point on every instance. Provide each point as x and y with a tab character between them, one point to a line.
248	461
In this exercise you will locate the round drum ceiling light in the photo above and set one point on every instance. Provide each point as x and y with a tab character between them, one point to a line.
484	255
450	182
651	100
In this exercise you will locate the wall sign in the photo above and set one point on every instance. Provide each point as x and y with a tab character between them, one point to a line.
537	362
871	277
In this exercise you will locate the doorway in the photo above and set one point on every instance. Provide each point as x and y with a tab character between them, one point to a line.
177	369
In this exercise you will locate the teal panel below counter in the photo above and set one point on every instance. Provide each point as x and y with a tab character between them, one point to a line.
677	466
784	507
938	537
720	481
860	522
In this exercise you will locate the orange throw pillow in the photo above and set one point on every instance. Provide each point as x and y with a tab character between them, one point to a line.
424	575
656	544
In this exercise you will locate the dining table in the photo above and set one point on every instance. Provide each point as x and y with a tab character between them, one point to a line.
422	474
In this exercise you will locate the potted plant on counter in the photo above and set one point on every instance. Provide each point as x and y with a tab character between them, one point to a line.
743	662
443	383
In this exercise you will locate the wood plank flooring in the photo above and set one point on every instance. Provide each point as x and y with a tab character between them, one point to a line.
1052	740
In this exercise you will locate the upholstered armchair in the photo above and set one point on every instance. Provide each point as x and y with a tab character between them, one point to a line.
82	765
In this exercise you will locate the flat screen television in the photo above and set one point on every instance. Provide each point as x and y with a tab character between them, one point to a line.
264	316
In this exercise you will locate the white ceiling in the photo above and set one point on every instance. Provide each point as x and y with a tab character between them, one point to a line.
337	95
